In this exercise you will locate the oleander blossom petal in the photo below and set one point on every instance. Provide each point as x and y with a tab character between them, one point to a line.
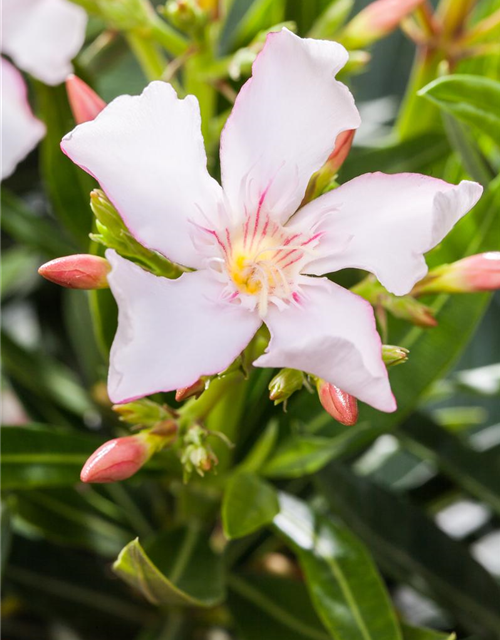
43	36
255	256
21	131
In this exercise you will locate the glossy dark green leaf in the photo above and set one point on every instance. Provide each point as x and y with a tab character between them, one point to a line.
343	582
467	467
75	588
414	154
303	455
407	544
471	156
249	503
247	19
19	271
418	633
6	534
67	185
472	99
68	519
270	608
262	449
24	226
176	568
43	456
42	376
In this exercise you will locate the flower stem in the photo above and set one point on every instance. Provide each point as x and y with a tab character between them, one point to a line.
147	54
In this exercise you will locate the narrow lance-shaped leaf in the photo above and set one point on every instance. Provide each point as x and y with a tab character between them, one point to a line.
344	584
43	456
461	463
472	99
408	545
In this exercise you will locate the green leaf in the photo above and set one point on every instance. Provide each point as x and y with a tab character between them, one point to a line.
272	608
470	154
409	546
247	19
262	448
73	587
472	99
176	568
332	18
344	584
19	271
44	377
67	185
467	467
413	154
27	228
249	504
43	456
417	633
5	537
303	455
66	518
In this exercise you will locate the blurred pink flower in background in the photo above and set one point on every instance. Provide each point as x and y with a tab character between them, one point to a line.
41	37
21	131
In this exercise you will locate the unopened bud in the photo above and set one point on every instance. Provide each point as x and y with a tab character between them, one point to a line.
84	102
195	390
376	21
339	404
80	271
475	273
392	355
186	15
343	145
284	384
411	310
120	458
197	454
144	412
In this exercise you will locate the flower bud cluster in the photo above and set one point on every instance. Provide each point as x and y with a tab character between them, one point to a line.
197	454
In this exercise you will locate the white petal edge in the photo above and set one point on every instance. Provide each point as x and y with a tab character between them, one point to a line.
170	332
331	334
147	153
385	224
21	131
43	36
284	124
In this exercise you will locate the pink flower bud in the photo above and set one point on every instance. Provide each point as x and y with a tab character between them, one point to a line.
339	404
343	145
377	20
116	460
195	390
475	273
80	271
84	101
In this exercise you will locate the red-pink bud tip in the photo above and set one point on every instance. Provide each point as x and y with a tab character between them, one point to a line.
195	390
84	102
80	271
383	16
339	404
343	145
116	460
480	272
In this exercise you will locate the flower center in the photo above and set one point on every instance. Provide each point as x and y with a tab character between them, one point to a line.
259	259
